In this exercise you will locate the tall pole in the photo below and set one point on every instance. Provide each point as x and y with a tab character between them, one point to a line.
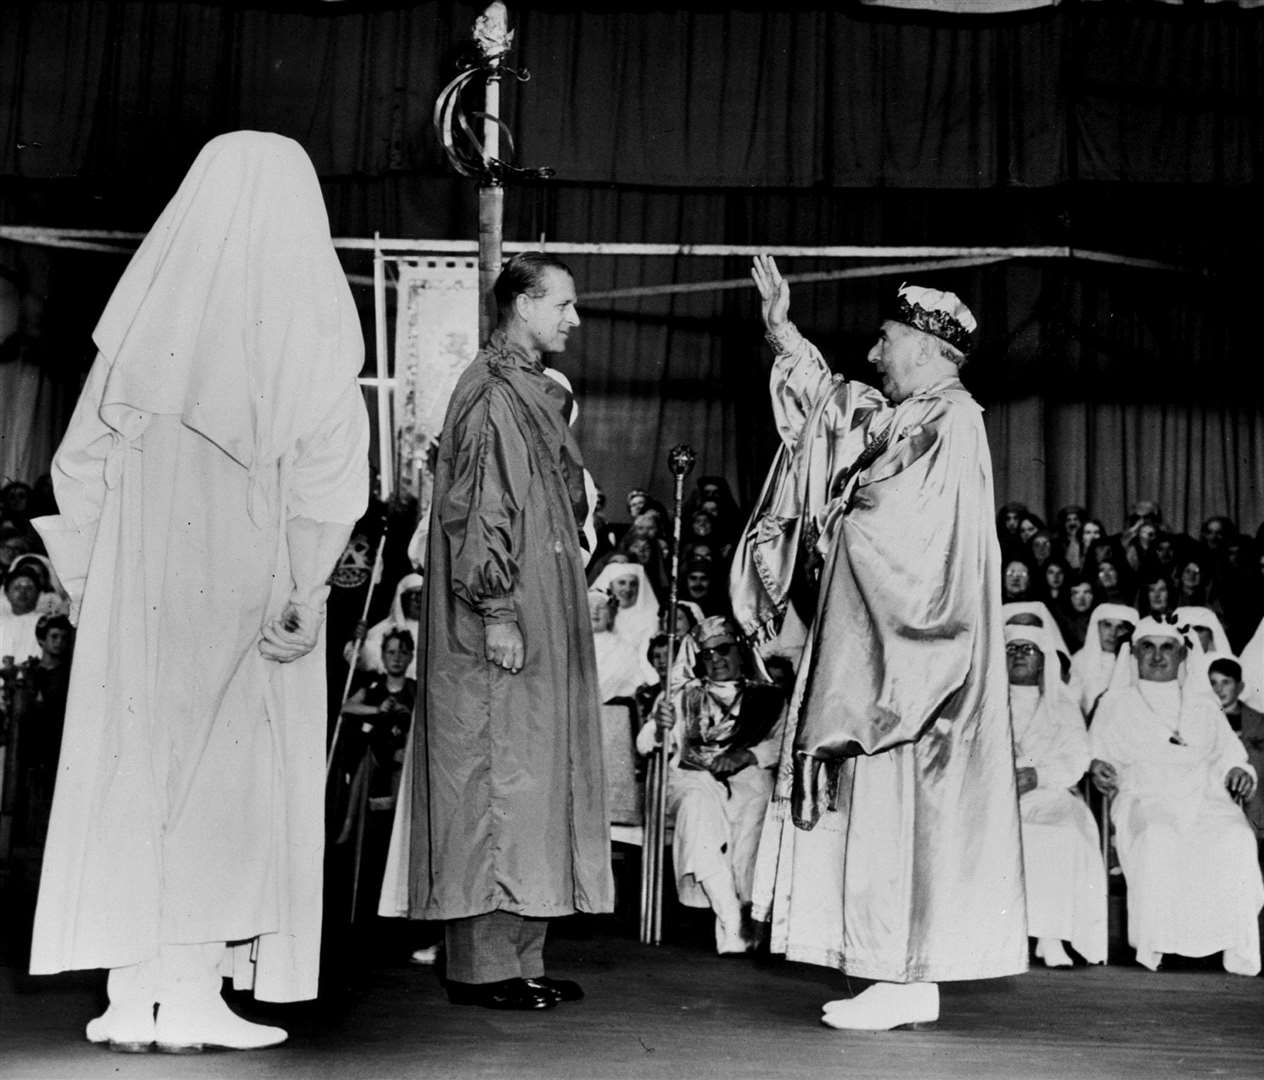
654	835
485	158
492	34
491	216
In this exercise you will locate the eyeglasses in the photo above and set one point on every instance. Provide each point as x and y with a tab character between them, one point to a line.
717	651
1021	648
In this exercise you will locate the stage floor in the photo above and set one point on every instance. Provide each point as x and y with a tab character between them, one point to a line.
679	1012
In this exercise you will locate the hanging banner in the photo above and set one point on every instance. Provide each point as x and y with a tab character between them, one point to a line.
436	336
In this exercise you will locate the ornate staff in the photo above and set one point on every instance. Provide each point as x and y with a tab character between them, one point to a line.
680	460
480	158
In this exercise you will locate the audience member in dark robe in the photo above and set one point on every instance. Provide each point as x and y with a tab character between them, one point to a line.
1028	525
714	497
1007	519
1091	532
1054	574
1192	581
1168	550
1154	595
15	504
1041	548
701	585
1140	549
40	741
1242	594
1068	546
1111	584
1017	581
1081	599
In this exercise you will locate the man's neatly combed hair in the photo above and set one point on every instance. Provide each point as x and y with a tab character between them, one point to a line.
524	273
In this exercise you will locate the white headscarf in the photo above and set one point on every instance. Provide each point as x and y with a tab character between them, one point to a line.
371	650
1093	667
1035	711
1041	610
638	623
234	314
1051	685
1196	616
621	669
1192	674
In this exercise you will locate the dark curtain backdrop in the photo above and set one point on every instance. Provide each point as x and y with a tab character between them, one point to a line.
1130	128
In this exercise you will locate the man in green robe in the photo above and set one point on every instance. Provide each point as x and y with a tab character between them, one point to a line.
509	823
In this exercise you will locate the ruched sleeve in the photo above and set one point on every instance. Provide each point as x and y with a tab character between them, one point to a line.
799	378
482	509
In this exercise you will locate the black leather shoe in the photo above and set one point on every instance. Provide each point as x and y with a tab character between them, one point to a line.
562	989
506	994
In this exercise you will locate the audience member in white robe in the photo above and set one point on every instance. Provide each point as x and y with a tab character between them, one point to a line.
1109	627
1037	613
725	737
621	669
1207	625
17	625
636	620
53	599
207	484
1166	754
405	611
1062	860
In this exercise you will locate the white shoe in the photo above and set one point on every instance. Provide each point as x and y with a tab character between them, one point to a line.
1050	950
426	956
190	1029
1238	963
731	941
885	1006
128	1029
1148	958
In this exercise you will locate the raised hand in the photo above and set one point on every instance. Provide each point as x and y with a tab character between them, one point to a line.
774	292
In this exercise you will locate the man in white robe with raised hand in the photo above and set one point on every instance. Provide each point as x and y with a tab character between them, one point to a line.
1167	756
892	848
207	484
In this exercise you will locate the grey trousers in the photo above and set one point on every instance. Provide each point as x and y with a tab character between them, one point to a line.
495	946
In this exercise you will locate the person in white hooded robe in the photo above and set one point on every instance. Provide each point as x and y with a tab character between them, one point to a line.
636	618
1109	626
207	484
1165	753
1062	860
1207	625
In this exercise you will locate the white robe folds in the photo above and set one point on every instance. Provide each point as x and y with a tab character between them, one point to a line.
1185	847
915	872
218	448
1062	857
